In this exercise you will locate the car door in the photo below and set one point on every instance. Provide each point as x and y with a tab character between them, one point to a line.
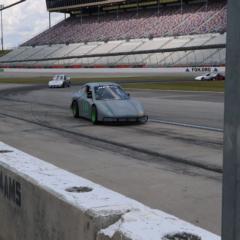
207	76
62	80
67	79
85	104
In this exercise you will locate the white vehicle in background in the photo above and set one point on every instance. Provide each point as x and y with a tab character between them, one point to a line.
59	81
210	77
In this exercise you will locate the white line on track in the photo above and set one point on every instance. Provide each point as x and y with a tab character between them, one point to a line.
186	125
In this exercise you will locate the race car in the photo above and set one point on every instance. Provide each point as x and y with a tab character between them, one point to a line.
210	76
106	102
59	81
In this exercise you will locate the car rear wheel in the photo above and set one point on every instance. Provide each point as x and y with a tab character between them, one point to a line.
75	109
94	115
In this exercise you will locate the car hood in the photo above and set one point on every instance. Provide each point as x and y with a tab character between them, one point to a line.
121	108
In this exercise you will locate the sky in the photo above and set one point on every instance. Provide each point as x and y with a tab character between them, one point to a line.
22	22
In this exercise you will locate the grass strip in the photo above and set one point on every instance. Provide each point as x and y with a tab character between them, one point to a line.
173	83
215	86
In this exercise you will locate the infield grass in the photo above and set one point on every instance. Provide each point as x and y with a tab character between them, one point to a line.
79	80
35	80
170	83
215	86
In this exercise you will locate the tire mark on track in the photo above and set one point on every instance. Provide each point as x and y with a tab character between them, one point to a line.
184	138
151	119
211	144
124	149
156	120
11	91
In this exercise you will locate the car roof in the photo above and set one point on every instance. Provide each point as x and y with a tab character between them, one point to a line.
94	84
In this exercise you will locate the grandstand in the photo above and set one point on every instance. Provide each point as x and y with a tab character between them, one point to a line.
128	33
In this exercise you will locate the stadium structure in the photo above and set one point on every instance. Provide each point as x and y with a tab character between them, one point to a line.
128	33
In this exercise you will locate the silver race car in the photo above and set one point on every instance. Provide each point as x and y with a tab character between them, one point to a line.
59	81
106	102
210	77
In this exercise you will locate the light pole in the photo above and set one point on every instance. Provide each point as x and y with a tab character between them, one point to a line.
49	20
1	8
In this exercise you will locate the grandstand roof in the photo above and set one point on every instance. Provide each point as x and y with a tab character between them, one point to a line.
71	6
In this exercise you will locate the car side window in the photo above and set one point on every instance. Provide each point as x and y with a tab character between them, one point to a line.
83	91
88	89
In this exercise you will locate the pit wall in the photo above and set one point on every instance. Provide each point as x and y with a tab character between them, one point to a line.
118	70
39	201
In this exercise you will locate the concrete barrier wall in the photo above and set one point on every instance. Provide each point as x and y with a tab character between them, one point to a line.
39	201
109	73
130	71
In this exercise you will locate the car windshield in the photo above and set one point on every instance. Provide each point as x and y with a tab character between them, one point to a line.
110	92
58	78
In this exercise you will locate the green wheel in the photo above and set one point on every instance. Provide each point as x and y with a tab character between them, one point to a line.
75	109
94	115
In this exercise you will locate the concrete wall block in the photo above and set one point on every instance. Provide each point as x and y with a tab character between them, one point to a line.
39	201
44	216
155	225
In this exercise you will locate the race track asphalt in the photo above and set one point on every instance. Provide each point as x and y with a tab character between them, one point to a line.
175	168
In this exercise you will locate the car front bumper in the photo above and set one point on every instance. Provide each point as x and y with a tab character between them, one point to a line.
142	119
54	86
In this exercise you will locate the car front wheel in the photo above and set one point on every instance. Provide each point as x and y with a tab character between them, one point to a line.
94	115
75	109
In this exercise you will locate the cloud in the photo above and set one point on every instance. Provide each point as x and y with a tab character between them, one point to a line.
24	21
